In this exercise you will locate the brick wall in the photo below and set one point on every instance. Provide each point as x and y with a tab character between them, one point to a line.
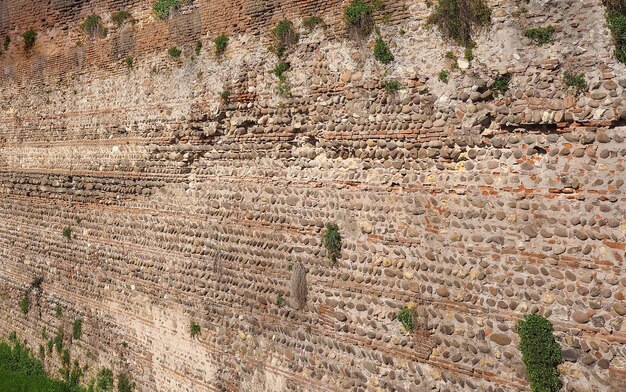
475	208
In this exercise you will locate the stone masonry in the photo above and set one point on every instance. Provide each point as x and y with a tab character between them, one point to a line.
475	208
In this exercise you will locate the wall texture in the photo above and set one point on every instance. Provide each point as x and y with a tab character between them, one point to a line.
472	207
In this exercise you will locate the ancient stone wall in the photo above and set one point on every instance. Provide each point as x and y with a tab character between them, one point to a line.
474	207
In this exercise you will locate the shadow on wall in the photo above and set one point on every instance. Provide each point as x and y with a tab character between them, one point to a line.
123	41
4	17
185	27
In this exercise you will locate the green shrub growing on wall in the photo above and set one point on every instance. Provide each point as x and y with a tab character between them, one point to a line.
616	20
120	17
92	26
163	8
225	95
540	353
392	86
65	357
77	329
130	62
501	84
58	342
174	52
382	52
6	42
124	384
25	304
104	380
282	87
280	300
67	233
21	371
331	239
36	283
576	81
280	69
58	311
457	19
284	36
198	47
221	42
30	36
359	16
194	329
405	316
443	75
540	35
312	22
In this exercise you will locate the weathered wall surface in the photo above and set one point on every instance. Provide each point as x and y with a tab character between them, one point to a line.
476	208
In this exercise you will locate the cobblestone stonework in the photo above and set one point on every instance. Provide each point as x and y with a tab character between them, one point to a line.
473	207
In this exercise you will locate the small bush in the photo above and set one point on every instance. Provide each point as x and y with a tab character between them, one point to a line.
58	311
620	53
501	84
312	22
194	330
174	52
93	27
382	52
540	35
443	75
30	36
6	42
65	357
392	86
36	283
225	95
469	54
359	18
124	384
42	351
198	48
20	370
405	316
25	304
331	239
280	69
282	88
58	342
616	20
163	8
575	81
77	329
129	61
457	19
67	233
120	17
221	42
280	300
540	353
104	380
284	36
50	345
